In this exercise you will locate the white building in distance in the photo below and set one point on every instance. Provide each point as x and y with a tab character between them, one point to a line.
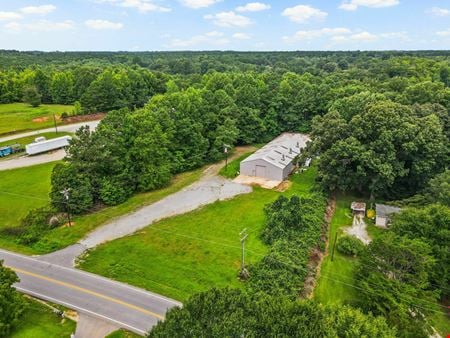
274	161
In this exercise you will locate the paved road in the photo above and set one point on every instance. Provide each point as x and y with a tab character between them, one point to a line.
27	161
131	308
69	128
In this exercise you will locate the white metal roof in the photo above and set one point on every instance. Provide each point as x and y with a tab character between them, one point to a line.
282	150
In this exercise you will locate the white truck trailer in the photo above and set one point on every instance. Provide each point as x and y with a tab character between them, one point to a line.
47	145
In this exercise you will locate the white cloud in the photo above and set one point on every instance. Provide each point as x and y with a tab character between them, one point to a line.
444	33
357	37
253	7
437	11
229	19
316	33
304	14
40	26
351	5
242	36
198	3
103	24
142	6
40	10
9	16
213	38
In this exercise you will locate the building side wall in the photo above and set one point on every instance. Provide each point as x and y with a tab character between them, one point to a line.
272	172
381	221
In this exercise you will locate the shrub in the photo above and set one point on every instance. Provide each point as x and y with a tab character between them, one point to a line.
64	115
350	246
36	223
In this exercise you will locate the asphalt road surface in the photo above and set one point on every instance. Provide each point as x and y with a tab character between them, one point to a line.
69	128
131	308
57	155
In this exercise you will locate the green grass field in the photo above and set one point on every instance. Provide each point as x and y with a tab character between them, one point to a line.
39	321
20	191
17	117
27	188
189	253
122	334
29	139
332	286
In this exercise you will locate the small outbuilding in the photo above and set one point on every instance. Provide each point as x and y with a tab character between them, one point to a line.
384	213
275	160
358	208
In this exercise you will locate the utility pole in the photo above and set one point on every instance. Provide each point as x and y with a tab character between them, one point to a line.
54	122
66	194
225	150
243	237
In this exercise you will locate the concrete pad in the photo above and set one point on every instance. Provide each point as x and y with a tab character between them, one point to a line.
253	180
92	327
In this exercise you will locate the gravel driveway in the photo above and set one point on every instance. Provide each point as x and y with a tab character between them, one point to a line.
209	189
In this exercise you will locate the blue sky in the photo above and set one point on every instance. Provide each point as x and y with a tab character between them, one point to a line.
67	25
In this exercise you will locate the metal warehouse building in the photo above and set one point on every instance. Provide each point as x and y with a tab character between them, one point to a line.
274	161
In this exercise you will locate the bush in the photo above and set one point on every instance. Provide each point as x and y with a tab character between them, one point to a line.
350	246
36	223
64	115
293	230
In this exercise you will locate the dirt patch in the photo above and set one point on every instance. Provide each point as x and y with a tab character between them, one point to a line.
317	256
83	118
359	229
283	186
40	119
259	181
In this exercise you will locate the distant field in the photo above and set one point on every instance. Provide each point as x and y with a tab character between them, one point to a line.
16	117
39	321
182	255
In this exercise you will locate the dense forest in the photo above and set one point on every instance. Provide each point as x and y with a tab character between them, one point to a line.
379	123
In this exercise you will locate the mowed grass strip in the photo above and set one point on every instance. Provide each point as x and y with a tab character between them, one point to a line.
39	321
17	117
335	276
20	191
182	255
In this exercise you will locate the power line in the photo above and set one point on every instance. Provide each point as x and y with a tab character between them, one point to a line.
153	227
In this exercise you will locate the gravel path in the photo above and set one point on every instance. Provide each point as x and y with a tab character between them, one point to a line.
27	161
359	230
209	189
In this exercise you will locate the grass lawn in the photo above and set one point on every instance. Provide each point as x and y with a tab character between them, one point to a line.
27	188
122	334
16	117
29	139
330	287
185	254
20	191
39	321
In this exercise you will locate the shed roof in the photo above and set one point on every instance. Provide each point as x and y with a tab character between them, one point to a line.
282	150
358	206
384	210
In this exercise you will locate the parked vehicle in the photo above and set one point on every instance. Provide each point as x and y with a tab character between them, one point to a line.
47	145
12	149
5	151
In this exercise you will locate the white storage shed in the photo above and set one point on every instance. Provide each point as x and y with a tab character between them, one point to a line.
274	161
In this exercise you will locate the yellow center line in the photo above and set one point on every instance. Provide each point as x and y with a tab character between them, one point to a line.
78	288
